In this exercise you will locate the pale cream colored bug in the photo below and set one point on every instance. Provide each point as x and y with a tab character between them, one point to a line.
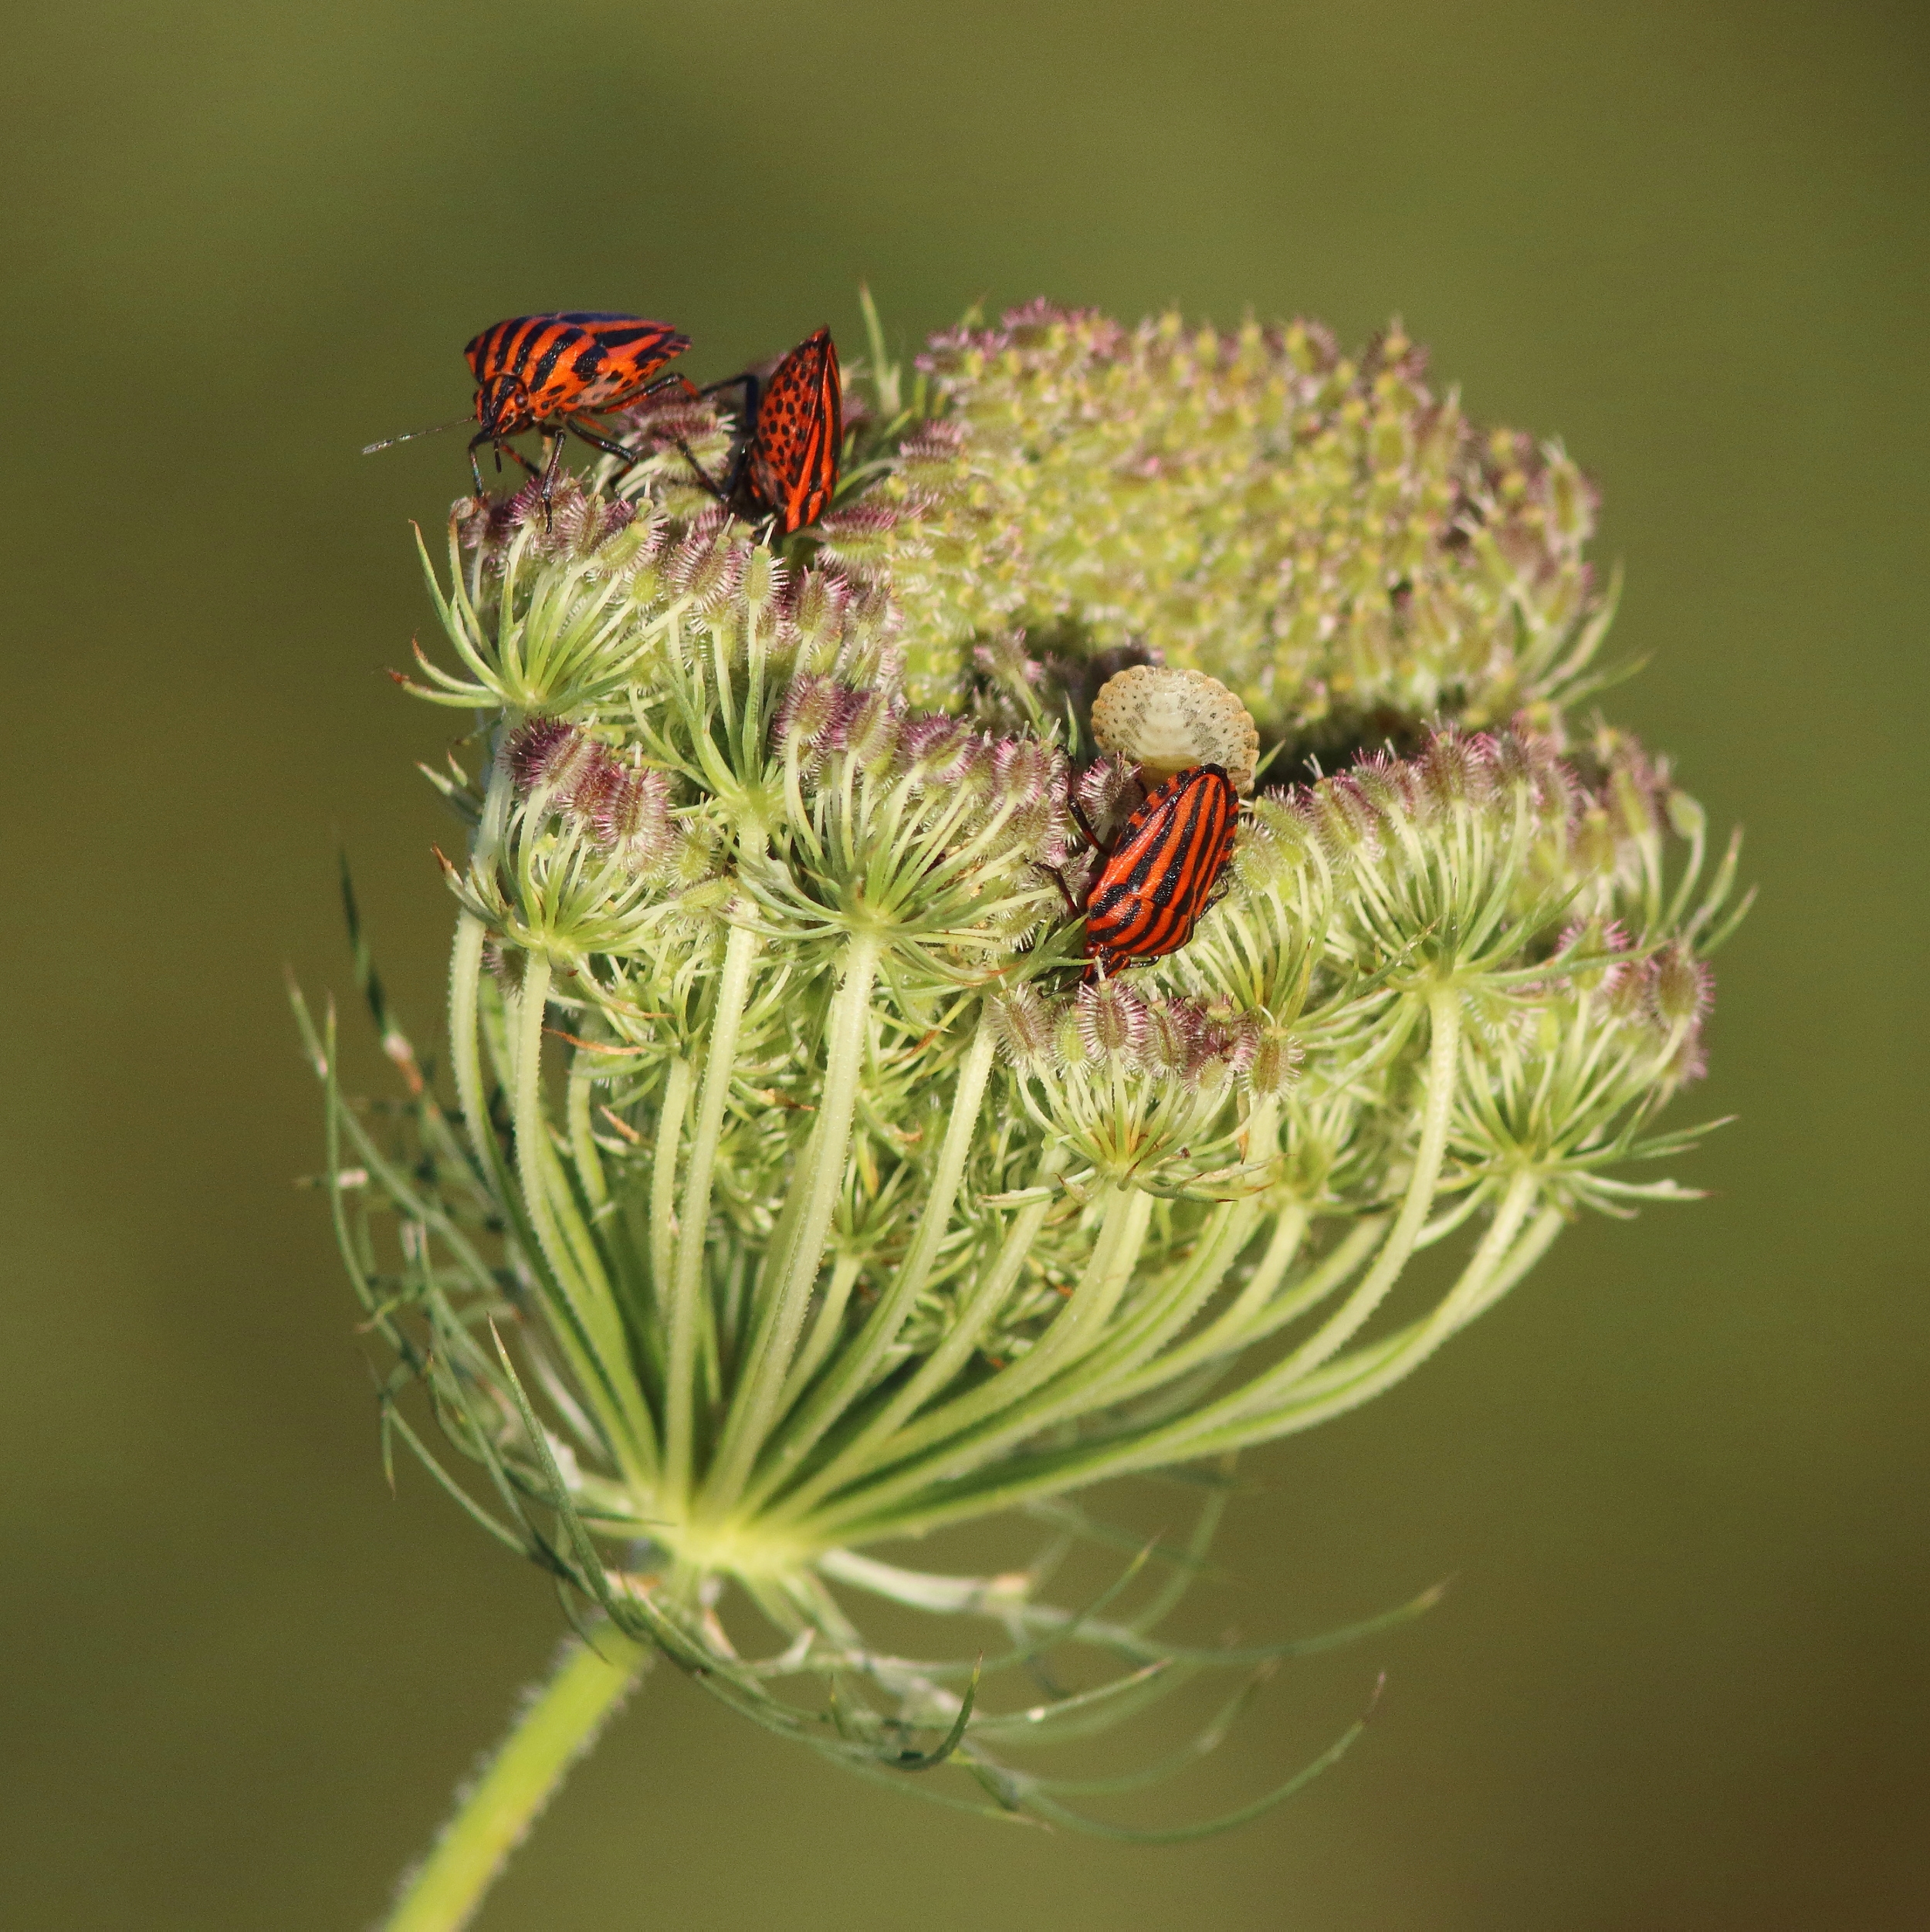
1168	721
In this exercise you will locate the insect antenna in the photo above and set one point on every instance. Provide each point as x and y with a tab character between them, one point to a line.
409	435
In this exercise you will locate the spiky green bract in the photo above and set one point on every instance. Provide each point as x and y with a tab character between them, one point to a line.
799	1192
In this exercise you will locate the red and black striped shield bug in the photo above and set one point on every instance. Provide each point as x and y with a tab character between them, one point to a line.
786	468
1195	747
1160	872
548	372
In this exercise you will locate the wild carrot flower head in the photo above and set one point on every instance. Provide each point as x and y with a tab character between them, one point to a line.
797	1189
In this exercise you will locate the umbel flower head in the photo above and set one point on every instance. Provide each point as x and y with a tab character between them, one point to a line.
799	1189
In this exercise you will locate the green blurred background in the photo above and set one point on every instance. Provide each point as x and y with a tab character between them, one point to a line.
1679	1477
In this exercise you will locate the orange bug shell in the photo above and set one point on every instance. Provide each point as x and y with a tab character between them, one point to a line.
538	369
1157	880
1168	721
792	466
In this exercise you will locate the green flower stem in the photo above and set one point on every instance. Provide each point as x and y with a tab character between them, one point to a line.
755	1408
1100	1367
584	1153
693	1229
1358	1378
1503	1255
588	1259
593	1336
1255	1313
1222	1424
1220	1244
465	1043
1444	1006
949	1358
993	1417
619	1403
663	1178
859	1364
554	1729
1534	1244
825	1328
465	971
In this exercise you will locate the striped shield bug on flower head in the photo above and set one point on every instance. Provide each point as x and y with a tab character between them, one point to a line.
1195	747
1160	873
786	468
548	372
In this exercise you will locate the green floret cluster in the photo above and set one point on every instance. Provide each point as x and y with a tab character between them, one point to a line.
797	1189
1326	534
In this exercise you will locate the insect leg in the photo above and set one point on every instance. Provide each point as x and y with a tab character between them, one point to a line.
1065	892
727	490
603	443
497	446
1086	825
553	442
746	425
747	432
515	455
703	476
747	382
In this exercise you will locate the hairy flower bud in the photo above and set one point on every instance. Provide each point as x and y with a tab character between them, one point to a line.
1112	1020
765	576
546	754
931	748
809	707
817	609
707	567
1023	1024
1107	790
1683	987
871	730
1343	818
1275	1064
627	809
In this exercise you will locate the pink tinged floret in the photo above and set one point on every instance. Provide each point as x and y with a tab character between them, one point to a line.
627	808
929	748
775	585
1685	988
816	611
1690	1061
1456	770
1112	1020
707	569
1343	818
1023	1025
1181	1040
972	768
871	729
1024	770
1108	791
1006	659
546	751
806	711
937	442
1275	1064
859	521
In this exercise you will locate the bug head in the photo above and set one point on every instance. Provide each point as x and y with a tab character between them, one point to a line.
502	405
